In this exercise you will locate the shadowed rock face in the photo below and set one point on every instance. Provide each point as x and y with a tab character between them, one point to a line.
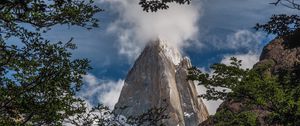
158	75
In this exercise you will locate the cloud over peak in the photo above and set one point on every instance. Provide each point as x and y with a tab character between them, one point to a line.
135	28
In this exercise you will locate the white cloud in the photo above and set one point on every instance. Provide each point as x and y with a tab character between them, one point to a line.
90	80
111	97
240	39
106	92
135	28
243	39
248	60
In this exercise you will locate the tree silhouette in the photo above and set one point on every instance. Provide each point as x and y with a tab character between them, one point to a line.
288	3
103	116
283	25
155	5
251	97
249	93
38	78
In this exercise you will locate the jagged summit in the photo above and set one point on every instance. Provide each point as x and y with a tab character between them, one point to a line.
158	75
171	52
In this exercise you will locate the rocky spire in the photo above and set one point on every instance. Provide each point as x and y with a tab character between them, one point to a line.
158	75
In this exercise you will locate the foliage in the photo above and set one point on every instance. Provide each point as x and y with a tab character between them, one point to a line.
282	25
153	117
293	4
155	5
38	79
103	116
279	95
246	118
46	13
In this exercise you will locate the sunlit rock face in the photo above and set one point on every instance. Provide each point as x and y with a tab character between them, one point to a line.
279	56
158	77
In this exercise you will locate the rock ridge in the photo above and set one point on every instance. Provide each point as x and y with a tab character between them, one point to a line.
158	75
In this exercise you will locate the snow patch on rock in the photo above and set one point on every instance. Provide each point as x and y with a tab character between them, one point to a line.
186	114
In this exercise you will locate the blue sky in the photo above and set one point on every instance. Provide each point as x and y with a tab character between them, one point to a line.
208	31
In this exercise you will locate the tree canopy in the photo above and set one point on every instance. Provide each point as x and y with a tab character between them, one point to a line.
293	4
283	25
155	5
250	96
276	96
38	78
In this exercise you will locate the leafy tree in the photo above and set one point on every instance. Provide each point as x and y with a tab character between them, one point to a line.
259	98
103	116
38	79
284	26
154	116
278	96
293	4
155	5
246	118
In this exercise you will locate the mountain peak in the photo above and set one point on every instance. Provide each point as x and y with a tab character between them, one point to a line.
170	51
158	77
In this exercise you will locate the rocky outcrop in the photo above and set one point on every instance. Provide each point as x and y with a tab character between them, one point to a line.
158	75
276	56
238	107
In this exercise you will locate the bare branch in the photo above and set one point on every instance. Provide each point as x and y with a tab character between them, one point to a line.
293	4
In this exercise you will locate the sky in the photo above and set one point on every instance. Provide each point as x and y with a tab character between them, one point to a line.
207	31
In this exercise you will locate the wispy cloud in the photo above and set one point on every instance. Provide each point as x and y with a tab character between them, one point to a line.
96	90
248	59
244	39
240	39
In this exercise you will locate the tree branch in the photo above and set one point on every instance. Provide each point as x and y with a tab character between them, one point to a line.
288	3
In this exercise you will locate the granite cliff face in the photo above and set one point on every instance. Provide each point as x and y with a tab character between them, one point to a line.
158	75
